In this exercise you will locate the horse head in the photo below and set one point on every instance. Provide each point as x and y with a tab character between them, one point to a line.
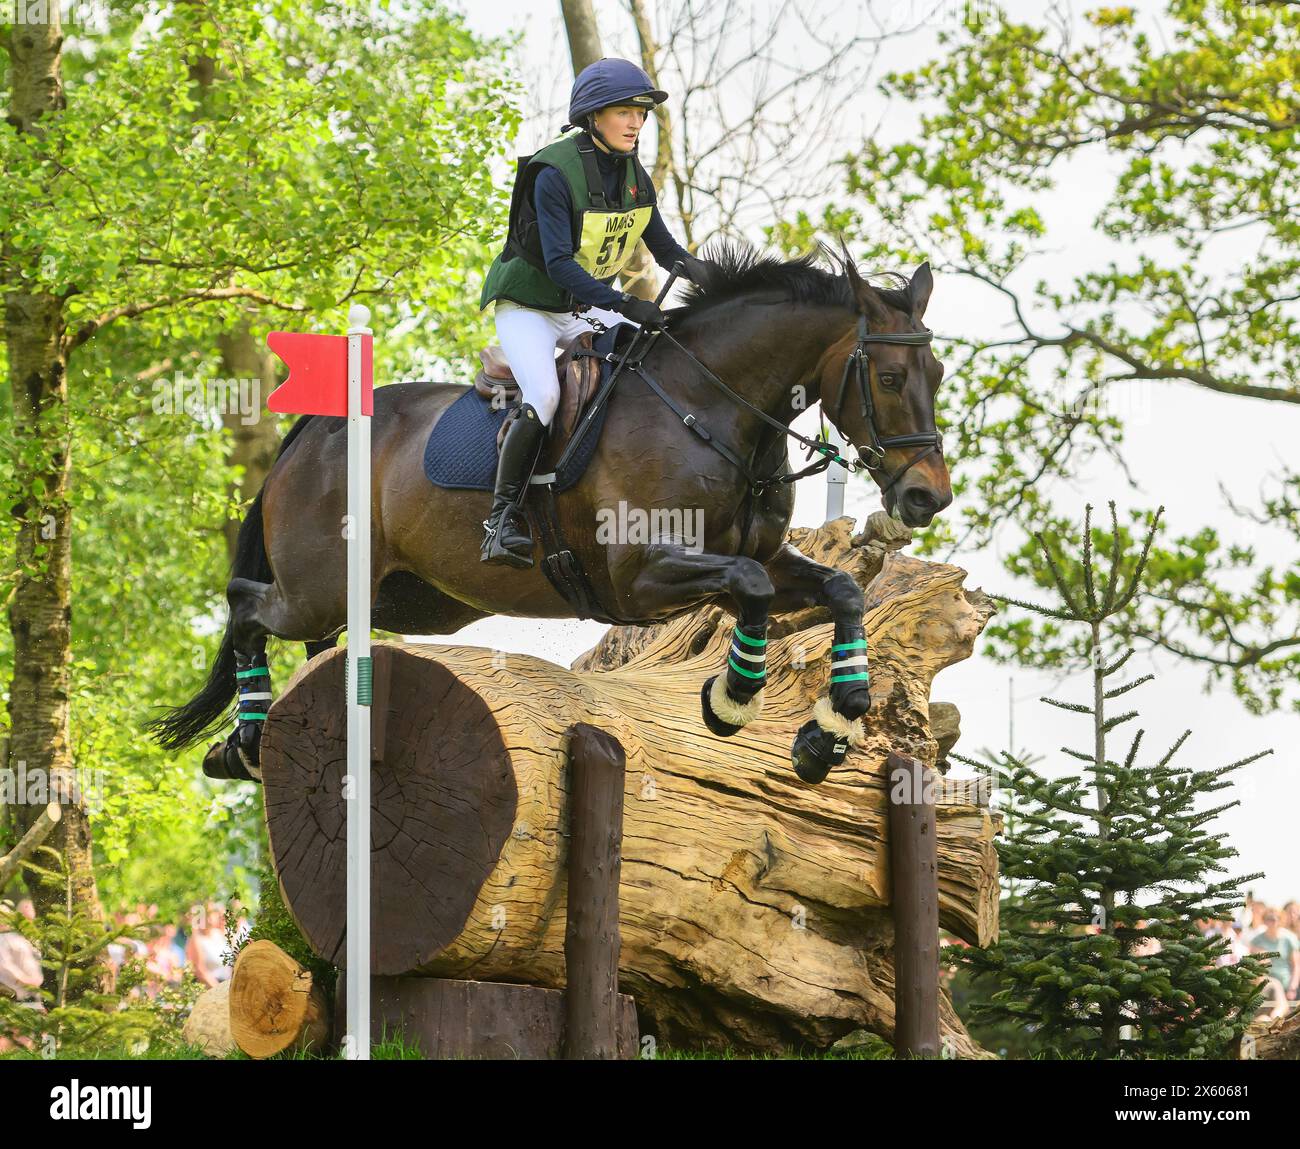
883	403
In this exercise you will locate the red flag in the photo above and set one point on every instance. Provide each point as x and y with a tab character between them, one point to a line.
318	374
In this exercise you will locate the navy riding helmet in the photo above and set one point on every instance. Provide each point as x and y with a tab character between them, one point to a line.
607	82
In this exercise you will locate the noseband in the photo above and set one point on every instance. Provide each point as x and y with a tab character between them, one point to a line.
872	454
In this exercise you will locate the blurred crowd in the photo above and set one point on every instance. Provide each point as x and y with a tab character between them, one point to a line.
1263	929
166	949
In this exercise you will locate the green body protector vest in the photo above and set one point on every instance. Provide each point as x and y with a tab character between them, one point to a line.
604	235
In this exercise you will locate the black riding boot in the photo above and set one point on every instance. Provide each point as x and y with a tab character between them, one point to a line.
508	539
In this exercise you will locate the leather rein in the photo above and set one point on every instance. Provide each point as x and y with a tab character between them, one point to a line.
870	456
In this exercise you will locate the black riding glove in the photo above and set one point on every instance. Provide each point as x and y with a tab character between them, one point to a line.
697	270
643	311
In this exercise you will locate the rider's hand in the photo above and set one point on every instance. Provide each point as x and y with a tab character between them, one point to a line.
696	269
643	311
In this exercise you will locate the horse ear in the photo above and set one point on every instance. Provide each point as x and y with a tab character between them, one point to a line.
922	283
867	296
850	269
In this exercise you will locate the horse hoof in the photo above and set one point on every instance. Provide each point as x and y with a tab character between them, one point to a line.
816	750
229	761
214	762
711	720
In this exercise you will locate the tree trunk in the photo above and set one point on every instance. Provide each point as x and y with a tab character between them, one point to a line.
642	277
666	167
253	445
754	908
583	32
254	436
40	609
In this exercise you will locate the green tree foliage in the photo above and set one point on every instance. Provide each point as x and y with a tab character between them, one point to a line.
343	152
1188	123
1115	868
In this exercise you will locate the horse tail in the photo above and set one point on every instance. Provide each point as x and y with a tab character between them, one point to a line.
183	726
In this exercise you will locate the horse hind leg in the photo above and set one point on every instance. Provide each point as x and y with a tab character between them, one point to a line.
257	610
403	603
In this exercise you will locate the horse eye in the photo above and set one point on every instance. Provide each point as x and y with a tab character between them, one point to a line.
888	379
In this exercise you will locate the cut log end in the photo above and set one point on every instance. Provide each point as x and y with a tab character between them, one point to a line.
273	1003
442	805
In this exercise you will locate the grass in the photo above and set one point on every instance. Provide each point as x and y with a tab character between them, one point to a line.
393	1047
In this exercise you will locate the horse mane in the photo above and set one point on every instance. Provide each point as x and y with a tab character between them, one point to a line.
741	269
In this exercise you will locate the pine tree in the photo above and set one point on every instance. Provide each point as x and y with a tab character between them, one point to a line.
1101	952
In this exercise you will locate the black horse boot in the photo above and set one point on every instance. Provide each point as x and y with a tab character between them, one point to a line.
508	539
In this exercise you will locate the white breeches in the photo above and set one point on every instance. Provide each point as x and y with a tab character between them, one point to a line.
530	340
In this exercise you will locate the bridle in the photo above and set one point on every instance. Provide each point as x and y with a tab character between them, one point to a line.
872	455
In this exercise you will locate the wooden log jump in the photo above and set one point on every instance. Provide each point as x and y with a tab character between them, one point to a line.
755	911
589	1020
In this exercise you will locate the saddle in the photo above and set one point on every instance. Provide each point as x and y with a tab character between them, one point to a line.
579	378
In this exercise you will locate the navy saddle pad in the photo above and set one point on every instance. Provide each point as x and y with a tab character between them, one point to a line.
462	449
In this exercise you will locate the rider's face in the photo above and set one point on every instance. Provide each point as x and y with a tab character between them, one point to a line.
620	125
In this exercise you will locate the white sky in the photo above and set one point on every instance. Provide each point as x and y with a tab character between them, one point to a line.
1181	443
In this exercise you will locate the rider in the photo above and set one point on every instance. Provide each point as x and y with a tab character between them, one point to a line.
578	209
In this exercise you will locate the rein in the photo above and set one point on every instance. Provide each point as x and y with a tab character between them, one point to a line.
857	361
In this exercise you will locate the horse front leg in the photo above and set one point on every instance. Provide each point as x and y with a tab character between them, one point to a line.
836	724
672	576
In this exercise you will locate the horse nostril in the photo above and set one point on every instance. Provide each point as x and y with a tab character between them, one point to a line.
922	500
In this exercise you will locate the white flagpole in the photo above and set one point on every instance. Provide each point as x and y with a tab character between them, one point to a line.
358	691
836	479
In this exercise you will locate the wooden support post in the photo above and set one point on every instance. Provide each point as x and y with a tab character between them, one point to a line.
381	690
591	940
913	859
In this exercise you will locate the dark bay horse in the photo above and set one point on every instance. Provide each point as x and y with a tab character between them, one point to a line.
782	335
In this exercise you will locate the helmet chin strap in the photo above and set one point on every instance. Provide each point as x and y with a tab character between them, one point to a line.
598	135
